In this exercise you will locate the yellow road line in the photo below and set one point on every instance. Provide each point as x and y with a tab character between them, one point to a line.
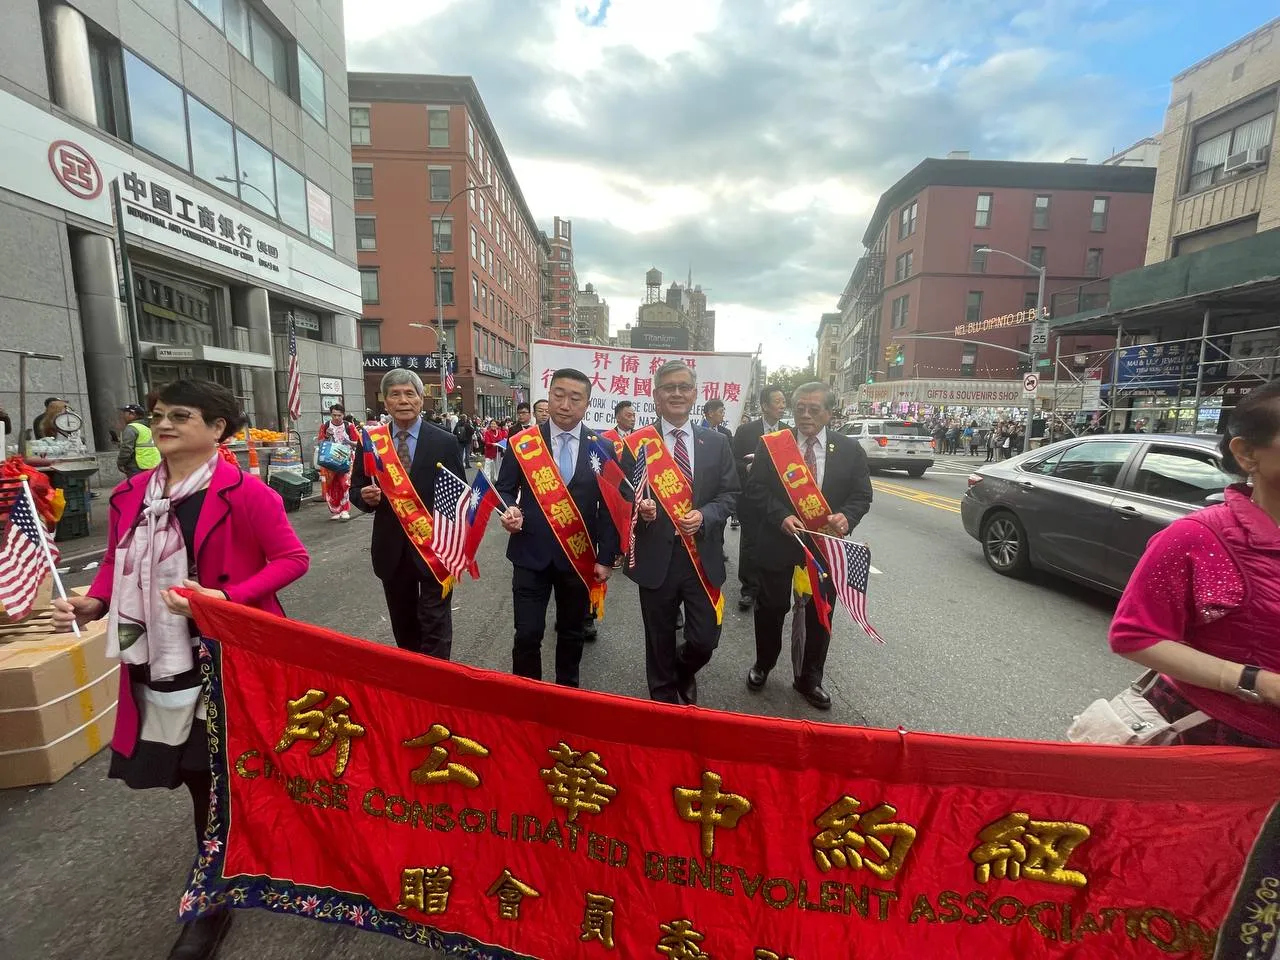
949	504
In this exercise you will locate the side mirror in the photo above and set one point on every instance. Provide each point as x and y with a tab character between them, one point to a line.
1219	497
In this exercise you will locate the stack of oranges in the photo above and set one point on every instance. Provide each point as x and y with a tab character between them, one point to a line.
260	435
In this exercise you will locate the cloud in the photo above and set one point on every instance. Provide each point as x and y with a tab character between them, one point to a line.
752	139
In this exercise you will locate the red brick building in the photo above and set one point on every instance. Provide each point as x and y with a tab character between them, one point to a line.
562	279
920	273
419	142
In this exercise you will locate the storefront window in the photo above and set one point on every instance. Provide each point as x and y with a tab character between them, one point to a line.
291	192
213	146
156	113
257	174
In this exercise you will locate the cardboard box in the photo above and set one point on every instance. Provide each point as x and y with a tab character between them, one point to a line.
44	598
57	703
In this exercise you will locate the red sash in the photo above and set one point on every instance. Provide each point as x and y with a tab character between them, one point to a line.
675	493
619	444
554	500
409	509
801	487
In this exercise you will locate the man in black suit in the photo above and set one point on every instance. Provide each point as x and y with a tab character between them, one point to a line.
839	467
539	563
664	570
773	403
421	618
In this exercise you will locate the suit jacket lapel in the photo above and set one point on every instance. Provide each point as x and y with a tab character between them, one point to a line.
834	453
701	458
419	448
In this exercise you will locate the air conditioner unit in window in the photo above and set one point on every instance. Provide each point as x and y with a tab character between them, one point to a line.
1245	160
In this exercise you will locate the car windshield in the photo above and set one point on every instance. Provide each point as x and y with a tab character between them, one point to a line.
896	428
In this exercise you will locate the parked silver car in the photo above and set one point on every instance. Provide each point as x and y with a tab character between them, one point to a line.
893	444
1085	508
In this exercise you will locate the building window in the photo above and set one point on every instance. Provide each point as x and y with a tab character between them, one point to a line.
211	9
475	245
213	146
471	139
371	338
982	215
361	126
237	24
969	360
1093	262
902	267
1210	156
901	309
269	54
156	113
978	259
291	194
1037	256
437	128
446	288
369	286
1029	299
1040	213
1098	222
319	215
441	186
907	220
362	183
442	230
484	299
366	233
108	84
257	174
475	290
311	87
973	307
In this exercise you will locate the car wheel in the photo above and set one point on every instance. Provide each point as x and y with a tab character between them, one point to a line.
916	472
1004	545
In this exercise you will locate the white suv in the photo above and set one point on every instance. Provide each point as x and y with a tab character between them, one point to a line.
893	444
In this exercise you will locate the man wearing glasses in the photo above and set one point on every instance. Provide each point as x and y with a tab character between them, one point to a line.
667	567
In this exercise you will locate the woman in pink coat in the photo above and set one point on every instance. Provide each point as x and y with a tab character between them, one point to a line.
194	521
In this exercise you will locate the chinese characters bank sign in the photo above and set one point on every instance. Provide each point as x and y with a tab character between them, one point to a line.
622	373
360	784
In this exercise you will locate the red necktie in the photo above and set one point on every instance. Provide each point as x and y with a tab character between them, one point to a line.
682	456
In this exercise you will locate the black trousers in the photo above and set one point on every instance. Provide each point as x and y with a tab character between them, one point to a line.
530	593
666	663
748	571
772	603
421	618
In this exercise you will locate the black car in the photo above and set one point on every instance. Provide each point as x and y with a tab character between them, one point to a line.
1085	508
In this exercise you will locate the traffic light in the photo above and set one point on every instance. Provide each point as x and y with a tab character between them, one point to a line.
901	356
891	354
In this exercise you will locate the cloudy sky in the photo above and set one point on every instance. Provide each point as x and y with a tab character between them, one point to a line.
751	139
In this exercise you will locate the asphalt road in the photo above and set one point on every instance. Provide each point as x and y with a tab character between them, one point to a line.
89	868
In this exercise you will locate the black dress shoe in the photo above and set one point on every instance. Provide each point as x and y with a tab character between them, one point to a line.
733	523
746	601
590	632
200	939
815	695
756	678
687	687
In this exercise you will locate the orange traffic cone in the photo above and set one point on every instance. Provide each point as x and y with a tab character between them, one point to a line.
253	456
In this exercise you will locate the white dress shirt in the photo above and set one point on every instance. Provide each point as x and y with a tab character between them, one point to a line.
819	453
574	434
670	441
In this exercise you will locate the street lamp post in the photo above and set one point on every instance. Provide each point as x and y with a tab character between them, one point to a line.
275	211
435	245
1031	344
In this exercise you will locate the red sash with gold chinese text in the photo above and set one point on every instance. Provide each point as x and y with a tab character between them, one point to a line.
554	500
617	440
671	489
409	509
801	487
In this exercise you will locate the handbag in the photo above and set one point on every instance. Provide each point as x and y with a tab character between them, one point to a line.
1129	719
335	457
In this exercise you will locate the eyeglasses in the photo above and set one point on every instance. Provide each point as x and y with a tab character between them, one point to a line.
176	417
670	388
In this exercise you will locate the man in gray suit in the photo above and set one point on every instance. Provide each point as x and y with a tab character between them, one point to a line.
664	570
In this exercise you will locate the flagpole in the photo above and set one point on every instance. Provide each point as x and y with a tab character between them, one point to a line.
48	556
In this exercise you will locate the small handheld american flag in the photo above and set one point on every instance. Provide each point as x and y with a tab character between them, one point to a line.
640	489
849	565
22	559
295	380
449	504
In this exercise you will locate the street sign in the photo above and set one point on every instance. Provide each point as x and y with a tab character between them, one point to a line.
1039	335
1030	383
1046	362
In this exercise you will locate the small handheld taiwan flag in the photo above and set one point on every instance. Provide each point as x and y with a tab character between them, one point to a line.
610	478
22	561
372	461
482	501
849	565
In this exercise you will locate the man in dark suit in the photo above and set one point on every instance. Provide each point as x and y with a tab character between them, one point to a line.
773	403
540	565
421	618
664	570
839	467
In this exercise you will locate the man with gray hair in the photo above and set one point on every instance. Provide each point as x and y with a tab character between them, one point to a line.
682	539
835	472
410	447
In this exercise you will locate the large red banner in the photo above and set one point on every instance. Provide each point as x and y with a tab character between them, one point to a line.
456	807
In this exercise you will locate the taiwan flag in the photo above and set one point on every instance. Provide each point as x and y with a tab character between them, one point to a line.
611	479
482	501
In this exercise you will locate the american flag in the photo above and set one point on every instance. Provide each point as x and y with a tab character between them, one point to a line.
295	381
22	562
640	488
849	565
449	383
449	505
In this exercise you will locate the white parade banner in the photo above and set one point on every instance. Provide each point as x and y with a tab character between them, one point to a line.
624	373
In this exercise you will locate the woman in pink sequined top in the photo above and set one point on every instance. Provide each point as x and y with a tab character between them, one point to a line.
1203	605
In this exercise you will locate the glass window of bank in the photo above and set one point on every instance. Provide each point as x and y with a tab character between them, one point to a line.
174	311
307	324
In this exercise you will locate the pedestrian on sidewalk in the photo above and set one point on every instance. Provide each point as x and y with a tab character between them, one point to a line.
463	431
335	483
193	521
494	434
137	449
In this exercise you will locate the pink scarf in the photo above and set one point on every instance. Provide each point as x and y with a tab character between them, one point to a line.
151	557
